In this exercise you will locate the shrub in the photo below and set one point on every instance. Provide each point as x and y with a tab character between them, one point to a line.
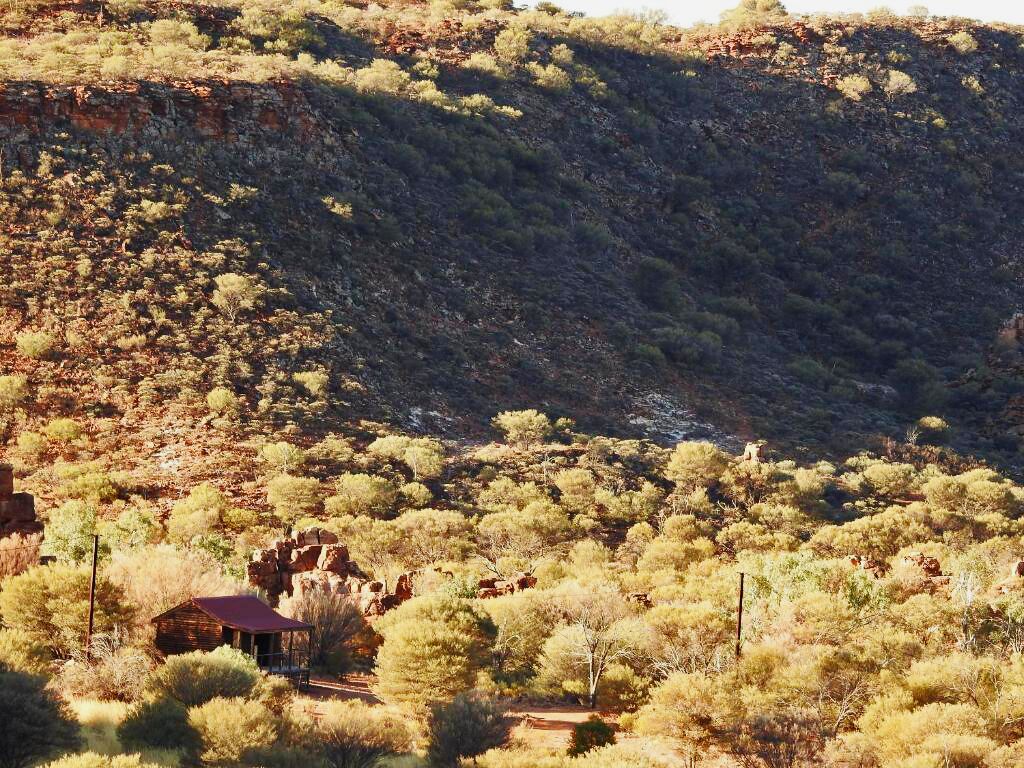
416	494
195	678
159	577
591	734
467	726
160	723
696	464
381	76
657	284
35	723
197	514
425	458
552	77
175	34
63	430
13	392
235	293
315	382
963	42
434	646
282	456
69	532
899	84
34	344
854	87
524	428
512	45
230	728
114	671
351	734
222	401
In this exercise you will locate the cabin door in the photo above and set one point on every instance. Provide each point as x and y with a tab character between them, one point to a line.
264	646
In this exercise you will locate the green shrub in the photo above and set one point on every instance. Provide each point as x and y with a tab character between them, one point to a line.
94	760
854	87
524	428
465	727
657	284
222	401
19	652
195	678
160	723
231	728
36	724
293	497
591	734
63	430
35	344
963	41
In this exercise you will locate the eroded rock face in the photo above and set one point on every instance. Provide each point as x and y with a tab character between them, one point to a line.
17	510
218	110
487	588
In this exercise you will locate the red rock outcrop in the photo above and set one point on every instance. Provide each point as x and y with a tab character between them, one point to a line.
221	110
17	510
493	587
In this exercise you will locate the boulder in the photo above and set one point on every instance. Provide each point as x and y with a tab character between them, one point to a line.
305	558
403	587
333	558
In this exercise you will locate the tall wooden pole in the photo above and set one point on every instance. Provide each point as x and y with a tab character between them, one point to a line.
92	594
739	616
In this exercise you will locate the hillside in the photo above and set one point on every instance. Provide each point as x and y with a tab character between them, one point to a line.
321	213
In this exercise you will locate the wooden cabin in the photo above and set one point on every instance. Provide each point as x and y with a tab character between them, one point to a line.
240	621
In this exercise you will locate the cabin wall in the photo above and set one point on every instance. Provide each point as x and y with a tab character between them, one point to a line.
187	629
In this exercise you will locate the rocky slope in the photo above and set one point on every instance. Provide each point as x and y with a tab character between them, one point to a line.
801	232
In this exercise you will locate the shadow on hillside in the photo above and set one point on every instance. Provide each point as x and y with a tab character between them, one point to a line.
488	262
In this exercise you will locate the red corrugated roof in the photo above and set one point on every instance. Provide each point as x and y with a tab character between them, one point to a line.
247	613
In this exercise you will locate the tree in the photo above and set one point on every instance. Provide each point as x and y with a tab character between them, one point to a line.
751	13
199	513
516	540
293	497
51	605
595	632
467	726
523	428
70	530
35	722
336	620
351	734
434	646
235	293
425	459
430	536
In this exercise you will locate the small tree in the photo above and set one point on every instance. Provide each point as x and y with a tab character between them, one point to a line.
467	726
590	734
524	428
235	293
51	605
35	723
434	646
282	456
351	734
293	497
